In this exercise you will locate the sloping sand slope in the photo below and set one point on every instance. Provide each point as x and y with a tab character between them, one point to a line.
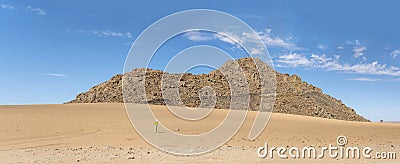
103	133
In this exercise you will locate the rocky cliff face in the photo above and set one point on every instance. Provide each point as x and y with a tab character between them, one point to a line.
293	96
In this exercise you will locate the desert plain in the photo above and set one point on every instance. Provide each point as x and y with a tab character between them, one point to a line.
102	133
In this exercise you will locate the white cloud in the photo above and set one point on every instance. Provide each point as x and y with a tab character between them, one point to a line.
256	51
333	64
81	31
357	42
270	41
129	35
365	79
337	57
5	6
294	60
245	38
226	39
320	58
109	33
373	68
359	51
375	79
340	47
125	36
254	16
268	30
37	11
54	74
349	42
322	46
112	33
395	53
279	42
198	36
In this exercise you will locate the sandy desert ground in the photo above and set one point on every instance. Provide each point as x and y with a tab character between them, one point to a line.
102	133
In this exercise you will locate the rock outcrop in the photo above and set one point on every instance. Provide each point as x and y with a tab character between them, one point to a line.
293	96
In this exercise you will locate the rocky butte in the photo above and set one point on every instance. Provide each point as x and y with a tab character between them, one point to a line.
293	96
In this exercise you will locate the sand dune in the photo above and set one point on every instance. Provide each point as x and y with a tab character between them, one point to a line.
102	133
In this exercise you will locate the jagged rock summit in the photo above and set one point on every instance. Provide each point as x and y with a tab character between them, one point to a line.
293	96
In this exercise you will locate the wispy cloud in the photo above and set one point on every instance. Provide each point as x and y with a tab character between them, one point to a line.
359	51
112	33
129	35
54	74
395	53
374	68
322	46
349	42
37	11
340	47
244	38
365	79
295	60
271	41
253	16
199	36
5	6
103	33
268	40
109	33
355	42
228	40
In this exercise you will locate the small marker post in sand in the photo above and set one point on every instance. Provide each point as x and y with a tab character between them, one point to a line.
155	126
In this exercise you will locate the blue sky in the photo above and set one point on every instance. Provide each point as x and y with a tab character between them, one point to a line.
52	50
